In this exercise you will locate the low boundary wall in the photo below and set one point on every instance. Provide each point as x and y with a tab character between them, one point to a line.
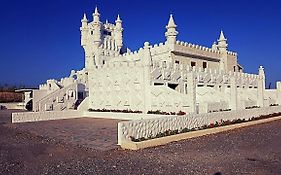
188	135
44	116
58	115
151	127
123	116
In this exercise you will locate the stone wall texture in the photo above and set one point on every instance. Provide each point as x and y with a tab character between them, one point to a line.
44	116
151	127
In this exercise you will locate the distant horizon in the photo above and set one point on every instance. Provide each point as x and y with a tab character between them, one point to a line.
41	40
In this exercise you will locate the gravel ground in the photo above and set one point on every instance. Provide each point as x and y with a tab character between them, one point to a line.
253	150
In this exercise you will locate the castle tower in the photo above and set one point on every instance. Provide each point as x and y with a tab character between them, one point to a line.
171	34
222	42
222	47
84	30
97	27
118	33
100	41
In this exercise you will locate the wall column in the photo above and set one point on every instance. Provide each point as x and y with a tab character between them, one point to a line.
146	63
233	93
278	90
261	87
191	91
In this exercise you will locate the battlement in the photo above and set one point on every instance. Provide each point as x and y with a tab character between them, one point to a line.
118	65
109	26
202	48
232	53
197	47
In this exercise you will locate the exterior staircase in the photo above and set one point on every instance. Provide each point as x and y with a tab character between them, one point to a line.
61	99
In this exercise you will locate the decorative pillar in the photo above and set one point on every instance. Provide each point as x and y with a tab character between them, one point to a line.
146	63
191	91
261	87
278	89
222	47
233	93
171	33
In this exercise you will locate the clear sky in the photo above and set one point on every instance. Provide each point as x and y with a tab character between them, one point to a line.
40	40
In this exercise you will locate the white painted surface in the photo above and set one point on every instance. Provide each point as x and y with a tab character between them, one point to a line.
155	77
44	116
123	116
151	127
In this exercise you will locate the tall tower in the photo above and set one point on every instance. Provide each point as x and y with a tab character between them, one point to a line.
222	42
222	47
84	30
118	31
171	33
100	41
96	27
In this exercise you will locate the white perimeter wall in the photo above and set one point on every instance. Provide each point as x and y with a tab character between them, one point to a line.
151	127
44	116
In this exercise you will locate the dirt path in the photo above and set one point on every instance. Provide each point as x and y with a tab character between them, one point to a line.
253	150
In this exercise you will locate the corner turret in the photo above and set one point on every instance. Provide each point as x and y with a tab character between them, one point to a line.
97	28
84	30
222	47
261	72
84	21
96	15
171	34
118	33
222	42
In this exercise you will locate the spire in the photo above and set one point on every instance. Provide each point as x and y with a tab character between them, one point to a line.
171	33
118	19
261	71
222	42
171	23
222	38
118	22
96	15
84	18
96	11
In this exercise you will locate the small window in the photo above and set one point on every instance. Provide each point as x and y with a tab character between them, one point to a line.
164	64
92	32
193	63
234	68
177	62
103	61
106	33
204	65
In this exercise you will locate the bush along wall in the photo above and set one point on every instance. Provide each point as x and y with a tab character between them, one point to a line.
211	125
114	110
166	113
131	111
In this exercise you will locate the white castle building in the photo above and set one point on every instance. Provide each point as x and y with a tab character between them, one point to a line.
171	76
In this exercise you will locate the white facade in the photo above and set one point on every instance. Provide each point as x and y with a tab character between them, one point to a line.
171	76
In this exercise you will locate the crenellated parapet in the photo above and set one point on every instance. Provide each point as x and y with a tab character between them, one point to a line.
203	51
175	73
160	48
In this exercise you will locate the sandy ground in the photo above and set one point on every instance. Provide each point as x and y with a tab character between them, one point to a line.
26	149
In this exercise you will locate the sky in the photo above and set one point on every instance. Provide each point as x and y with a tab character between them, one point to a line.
40	40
